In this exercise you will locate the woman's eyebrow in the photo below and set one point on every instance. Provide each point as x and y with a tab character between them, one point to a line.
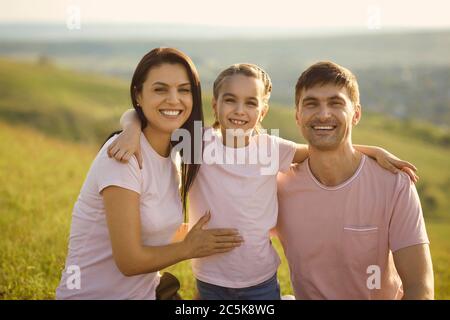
159	83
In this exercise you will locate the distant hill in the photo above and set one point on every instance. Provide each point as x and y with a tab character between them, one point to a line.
404	74
85	108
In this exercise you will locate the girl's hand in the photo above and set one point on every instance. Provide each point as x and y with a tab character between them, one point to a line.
390	162
125	145
201	243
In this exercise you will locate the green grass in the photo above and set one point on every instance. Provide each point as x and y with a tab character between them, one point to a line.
56	120
40	180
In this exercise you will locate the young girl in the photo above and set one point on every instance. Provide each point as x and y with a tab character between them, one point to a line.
124	218
240	194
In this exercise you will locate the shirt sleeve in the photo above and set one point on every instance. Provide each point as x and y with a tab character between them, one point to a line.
286	152
110	172
407	226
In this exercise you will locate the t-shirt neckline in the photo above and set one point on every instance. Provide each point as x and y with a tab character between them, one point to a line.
343	184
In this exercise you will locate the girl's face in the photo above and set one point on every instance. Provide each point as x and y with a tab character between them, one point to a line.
240	103
166	97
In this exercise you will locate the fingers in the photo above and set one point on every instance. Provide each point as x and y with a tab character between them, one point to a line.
412	175
203	220
224	232
400	164
139	158
389	166
230	239
227	245
112	150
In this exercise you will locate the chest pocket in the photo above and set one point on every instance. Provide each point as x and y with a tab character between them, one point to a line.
360	247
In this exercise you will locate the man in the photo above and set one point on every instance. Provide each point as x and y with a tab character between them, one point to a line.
349	229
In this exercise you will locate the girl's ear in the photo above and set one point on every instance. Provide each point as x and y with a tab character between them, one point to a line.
264	112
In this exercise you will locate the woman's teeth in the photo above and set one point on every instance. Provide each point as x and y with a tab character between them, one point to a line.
170	112
238	122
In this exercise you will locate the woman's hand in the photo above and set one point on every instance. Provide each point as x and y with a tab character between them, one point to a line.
390	162
201	243
125	145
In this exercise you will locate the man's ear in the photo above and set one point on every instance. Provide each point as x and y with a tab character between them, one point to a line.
357	115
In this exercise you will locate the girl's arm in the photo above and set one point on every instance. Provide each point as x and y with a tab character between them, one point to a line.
389	161
127	143
132	258
384	158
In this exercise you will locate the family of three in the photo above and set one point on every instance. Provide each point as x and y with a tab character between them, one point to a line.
348	216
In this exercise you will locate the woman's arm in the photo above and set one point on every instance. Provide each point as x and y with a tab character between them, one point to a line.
132	258
384	158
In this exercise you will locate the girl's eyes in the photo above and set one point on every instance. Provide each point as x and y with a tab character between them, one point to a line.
184	90
229	100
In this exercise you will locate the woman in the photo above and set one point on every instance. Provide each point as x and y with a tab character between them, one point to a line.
124	218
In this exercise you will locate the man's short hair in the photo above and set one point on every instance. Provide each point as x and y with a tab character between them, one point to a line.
327	72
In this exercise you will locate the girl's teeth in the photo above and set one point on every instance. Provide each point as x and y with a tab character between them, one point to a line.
238	122
171	112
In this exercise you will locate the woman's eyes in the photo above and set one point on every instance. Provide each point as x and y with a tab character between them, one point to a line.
181	90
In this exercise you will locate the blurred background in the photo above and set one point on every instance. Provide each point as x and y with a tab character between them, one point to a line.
65	69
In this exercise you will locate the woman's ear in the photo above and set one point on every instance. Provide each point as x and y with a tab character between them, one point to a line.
214	106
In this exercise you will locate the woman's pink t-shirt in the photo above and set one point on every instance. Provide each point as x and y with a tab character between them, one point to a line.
89	244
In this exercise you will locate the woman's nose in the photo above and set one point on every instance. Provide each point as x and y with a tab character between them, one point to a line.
173	97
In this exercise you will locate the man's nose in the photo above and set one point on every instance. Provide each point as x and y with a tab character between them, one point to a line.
324	112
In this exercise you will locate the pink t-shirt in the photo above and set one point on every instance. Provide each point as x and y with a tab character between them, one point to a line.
336	238
89	245
240	195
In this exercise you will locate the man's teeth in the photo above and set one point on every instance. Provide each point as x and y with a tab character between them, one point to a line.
170	112
238	122
323	127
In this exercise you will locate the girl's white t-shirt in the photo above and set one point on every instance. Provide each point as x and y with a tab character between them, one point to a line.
241	193
90	254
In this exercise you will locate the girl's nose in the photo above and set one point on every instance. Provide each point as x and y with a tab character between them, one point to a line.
239	108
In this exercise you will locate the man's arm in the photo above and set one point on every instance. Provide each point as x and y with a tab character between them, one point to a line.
415	268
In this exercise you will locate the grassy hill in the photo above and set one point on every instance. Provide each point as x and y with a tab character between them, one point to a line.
51	124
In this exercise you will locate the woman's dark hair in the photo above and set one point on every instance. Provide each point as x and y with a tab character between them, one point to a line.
157	57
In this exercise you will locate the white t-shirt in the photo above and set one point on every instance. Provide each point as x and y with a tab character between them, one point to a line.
242	196
89	245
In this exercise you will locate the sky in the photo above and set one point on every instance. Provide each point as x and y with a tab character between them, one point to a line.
246	13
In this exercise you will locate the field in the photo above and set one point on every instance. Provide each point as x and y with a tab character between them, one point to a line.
50	137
